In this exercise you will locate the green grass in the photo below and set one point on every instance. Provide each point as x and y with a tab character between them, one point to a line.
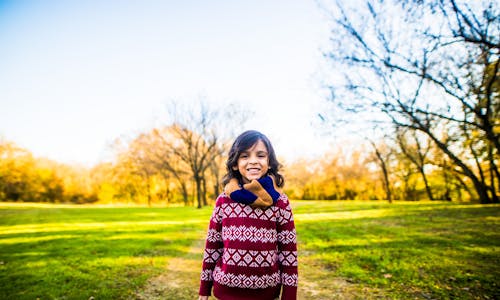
347	250
51	252
400	251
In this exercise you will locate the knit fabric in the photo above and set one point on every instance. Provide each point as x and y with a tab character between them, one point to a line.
250	252
257	193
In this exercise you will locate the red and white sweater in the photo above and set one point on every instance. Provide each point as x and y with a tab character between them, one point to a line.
250	253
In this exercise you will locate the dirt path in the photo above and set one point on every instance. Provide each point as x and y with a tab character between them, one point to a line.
319	283
180	279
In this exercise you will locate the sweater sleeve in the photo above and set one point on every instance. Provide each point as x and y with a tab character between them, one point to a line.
287	250
213	249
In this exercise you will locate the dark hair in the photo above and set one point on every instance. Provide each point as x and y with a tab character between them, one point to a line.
243	142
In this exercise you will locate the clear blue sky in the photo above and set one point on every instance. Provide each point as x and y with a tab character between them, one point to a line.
75	75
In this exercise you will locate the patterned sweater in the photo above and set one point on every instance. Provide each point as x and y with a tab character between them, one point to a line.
250	253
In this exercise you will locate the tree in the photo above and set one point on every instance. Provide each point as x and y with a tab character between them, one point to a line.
26	178
201	132
417	152
18	181
141	161
382	156
197	151
161	145
186	150
426	66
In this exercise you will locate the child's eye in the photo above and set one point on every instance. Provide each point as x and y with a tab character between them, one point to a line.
243	156
262	154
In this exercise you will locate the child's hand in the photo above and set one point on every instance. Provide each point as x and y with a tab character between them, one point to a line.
203	298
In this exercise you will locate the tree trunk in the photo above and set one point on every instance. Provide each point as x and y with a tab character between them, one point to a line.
197	180
148	187
167	196
427	187
385	173
204	192
184	193
493	178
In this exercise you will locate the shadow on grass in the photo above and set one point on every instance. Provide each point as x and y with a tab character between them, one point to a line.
64	257
434	251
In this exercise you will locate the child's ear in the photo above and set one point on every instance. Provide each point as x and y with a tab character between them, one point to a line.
235	168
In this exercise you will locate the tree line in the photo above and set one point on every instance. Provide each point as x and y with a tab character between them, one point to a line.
172	165
25	178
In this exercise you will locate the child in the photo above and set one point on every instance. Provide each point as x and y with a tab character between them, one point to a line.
251	246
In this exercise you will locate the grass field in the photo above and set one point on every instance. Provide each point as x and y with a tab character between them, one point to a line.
347	250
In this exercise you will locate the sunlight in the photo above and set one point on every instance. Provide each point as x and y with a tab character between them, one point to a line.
120	261
133	236
342	215
33	239
362	242
51	227
23	254
54	227
36	264
18	205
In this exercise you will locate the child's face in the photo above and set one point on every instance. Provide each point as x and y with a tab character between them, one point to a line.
253	163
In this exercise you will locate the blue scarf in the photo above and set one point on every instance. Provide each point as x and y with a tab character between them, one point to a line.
260	193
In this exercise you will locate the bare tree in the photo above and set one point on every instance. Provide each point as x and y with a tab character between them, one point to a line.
196	150
428	66
201	132
140	162
382	158
161	147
